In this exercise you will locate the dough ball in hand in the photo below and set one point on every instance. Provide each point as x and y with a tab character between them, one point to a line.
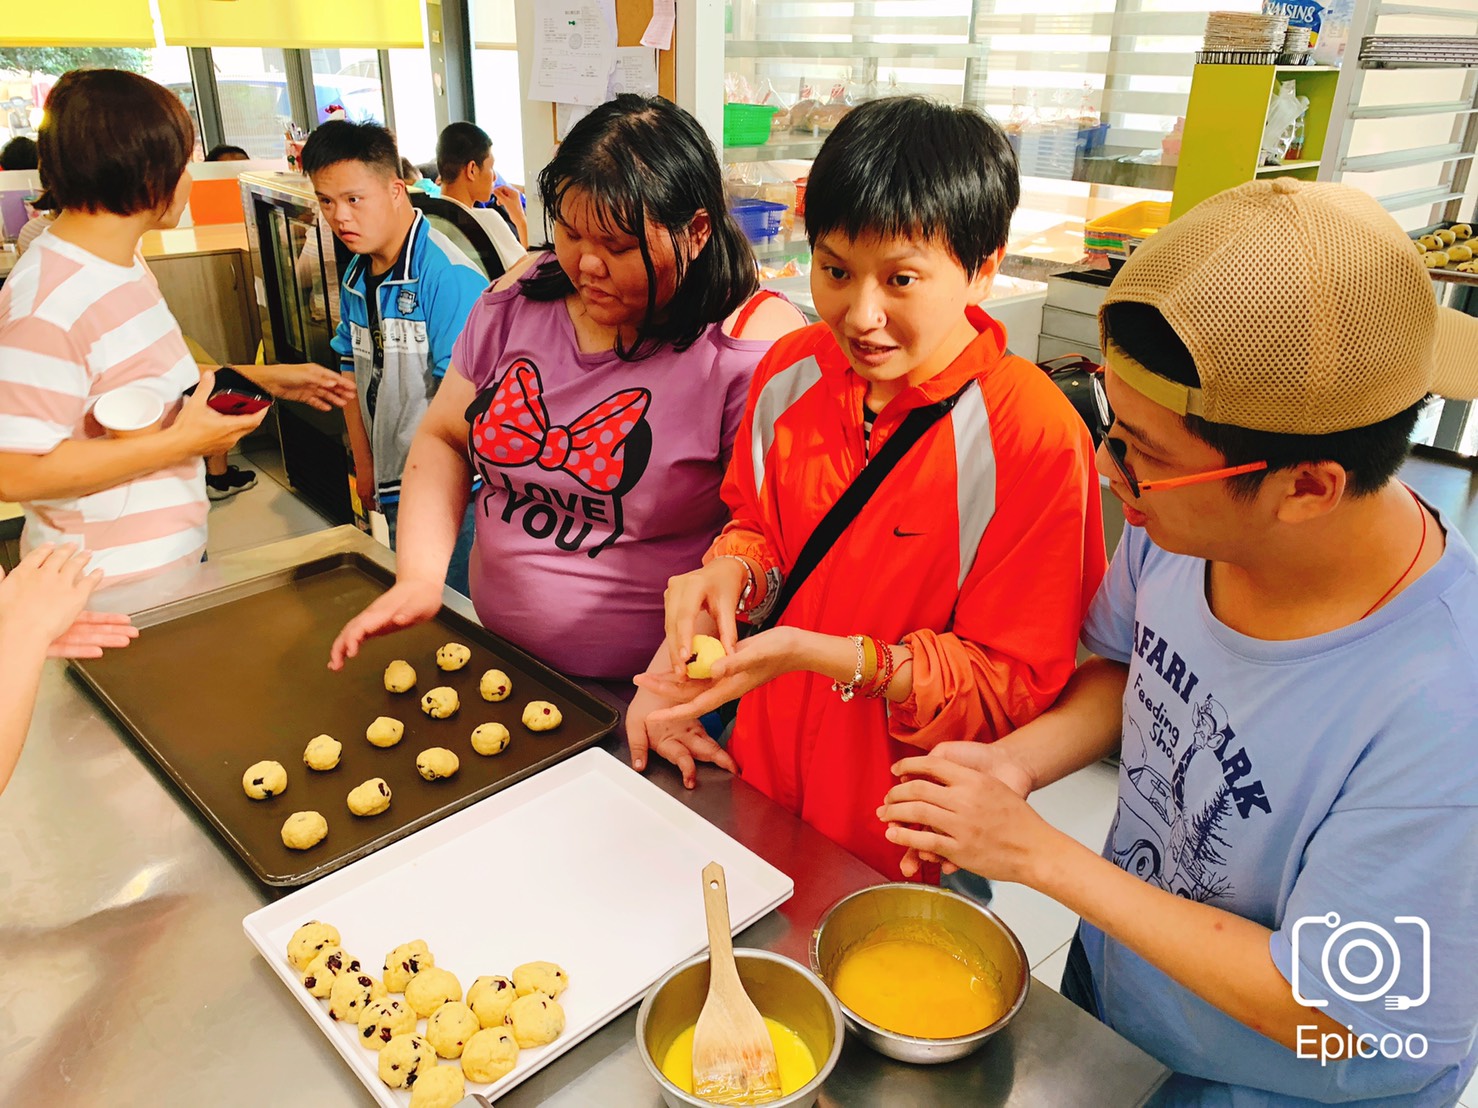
490	738
309	941
403	1059
322	753
437	763
495	685
384	732
490	1055
438	1087
540	715
706	651
449	1027
536	1020
404	962
453	656
431	988
304	830
490	998
384	1018
400	677
371	798
321	973
350	994
540	977
264	780
441	702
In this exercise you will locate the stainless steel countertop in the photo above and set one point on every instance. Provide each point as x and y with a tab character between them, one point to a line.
126	978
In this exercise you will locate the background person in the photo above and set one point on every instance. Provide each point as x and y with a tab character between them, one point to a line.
464	158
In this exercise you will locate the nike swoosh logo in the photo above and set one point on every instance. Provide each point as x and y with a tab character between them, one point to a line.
906	534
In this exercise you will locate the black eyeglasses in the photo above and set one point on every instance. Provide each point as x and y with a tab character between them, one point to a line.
1118	450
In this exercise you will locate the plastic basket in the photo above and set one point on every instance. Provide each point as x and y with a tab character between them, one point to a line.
747	124
1119	232
1055	151
758	219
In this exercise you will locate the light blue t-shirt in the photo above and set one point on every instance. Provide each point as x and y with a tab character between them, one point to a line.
1285	781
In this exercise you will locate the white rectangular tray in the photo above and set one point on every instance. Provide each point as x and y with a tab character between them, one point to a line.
586	864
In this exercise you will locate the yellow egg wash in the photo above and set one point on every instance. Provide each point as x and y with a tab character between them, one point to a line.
916	988
796	1064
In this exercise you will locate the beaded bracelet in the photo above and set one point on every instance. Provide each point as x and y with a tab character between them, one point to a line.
849	690
885	677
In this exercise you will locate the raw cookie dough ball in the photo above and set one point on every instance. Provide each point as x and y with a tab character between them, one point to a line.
706	651
441	1087
449	1027
540	715
350	994
453	656
540	977
400	677
384	1018
1421	247
303	830
322	753
1460	253
436	763
495	685
431	988
440	703
309	941
384	732
1447	237
536	1020
1431	242
1430	259
264	780
403	1059
324	970
490	738
404	962
490	998
490	1055
1462	231
371	798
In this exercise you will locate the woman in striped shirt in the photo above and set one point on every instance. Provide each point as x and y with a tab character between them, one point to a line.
80	316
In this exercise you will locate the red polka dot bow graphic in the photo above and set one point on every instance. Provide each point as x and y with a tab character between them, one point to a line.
515	430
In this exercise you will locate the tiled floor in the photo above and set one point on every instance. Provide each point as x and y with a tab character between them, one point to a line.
1082	805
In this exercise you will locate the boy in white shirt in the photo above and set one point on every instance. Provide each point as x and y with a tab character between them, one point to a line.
464	160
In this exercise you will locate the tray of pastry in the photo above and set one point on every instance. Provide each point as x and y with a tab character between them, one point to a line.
1449	251
221	683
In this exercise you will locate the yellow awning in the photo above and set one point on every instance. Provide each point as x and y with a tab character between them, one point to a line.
78	23
377	24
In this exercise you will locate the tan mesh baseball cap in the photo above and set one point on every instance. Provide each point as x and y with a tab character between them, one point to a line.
1305	306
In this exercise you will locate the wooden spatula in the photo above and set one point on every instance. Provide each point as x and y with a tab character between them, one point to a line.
733	1057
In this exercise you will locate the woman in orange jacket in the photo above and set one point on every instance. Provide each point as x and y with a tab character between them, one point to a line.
949	608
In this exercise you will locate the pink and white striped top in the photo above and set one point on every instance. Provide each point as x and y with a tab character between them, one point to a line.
72	327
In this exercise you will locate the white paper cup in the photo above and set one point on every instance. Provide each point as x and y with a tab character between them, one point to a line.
128	411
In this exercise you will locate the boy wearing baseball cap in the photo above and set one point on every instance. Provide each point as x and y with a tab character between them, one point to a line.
1287	643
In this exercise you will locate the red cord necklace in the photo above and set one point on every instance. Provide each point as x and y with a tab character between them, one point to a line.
1415	558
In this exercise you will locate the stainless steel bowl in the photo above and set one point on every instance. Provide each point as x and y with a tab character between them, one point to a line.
987	941
781	989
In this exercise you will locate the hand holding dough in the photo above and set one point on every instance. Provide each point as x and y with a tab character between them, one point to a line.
540	715
370	798
400	677
706	651
441	702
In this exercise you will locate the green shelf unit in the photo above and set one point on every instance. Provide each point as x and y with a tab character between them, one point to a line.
1224	121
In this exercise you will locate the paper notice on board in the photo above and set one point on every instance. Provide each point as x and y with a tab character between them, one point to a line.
574	50
635	71
658	34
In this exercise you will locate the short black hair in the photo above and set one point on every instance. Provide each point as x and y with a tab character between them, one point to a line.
640	158
223	150
19	153
113	141
913	168
1369	455
459	144
338	140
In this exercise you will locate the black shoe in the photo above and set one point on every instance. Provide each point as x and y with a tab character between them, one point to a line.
234	480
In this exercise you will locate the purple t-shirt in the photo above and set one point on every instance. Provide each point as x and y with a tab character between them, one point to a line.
600	478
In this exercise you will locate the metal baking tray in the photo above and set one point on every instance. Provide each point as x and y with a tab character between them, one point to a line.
221	680
1449	276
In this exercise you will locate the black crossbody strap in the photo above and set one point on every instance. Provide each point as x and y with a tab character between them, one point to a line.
850	504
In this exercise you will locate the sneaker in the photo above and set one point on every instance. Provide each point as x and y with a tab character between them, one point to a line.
234	480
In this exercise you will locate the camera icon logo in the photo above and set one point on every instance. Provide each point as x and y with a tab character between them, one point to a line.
1376	946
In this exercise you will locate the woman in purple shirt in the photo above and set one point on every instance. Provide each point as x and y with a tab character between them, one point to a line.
596	390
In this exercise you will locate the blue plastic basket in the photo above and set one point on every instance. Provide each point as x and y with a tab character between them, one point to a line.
758	219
